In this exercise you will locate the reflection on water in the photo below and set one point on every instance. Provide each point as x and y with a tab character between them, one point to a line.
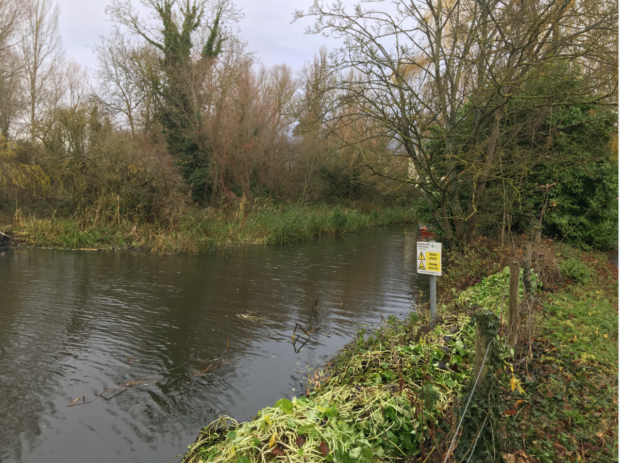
75	324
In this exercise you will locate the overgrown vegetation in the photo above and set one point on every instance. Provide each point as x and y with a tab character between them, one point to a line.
198	230
501	138
178	118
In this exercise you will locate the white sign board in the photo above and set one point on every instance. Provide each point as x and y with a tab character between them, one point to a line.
429	258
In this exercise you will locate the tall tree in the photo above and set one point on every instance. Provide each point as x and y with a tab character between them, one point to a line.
181	87
43	55
122	88
11	17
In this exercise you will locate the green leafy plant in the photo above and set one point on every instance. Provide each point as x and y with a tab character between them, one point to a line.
381	400
575	270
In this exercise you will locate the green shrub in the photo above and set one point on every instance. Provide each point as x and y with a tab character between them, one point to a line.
575	270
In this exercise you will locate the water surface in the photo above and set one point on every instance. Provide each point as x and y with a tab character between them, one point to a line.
73	324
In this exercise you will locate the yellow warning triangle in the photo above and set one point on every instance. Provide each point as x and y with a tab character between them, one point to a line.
421	256
421	266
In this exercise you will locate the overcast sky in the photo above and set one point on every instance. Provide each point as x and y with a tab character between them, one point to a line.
266	27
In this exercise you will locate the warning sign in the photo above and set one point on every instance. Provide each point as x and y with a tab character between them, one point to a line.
429	258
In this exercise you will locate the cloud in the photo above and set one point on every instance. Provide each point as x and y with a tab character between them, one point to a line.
266	27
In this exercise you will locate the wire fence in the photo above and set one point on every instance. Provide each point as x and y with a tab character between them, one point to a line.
458	428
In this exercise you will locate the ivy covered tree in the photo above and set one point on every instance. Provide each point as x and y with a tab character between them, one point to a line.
184	65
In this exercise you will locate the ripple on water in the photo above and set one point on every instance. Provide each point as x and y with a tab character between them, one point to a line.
69	322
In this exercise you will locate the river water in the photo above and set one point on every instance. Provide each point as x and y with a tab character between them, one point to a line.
73	324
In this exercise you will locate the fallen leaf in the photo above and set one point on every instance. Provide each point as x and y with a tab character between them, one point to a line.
277	452
300	441
324	449
510	412
559	447
509	458
272	441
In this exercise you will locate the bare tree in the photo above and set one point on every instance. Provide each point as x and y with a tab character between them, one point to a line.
43	56
122	88
11	17
446	78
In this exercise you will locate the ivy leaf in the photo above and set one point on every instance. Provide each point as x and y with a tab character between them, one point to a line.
231	435
305	429
285	405
355	453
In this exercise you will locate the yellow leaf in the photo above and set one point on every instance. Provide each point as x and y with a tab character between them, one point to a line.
272	441
513	383
516	384
605	336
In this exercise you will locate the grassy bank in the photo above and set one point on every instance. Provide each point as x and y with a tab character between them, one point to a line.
398	393
570	411
197	231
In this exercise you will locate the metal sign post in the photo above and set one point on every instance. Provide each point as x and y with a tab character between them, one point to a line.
429	263
433	300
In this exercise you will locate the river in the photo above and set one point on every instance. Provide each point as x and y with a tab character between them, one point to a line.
73	324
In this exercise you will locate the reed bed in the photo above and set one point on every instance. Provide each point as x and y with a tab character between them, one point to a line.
200	231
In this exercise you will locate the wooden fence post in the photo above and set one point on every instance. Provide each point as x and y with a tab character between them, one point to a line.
513	305
527	273
487	326
481	348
